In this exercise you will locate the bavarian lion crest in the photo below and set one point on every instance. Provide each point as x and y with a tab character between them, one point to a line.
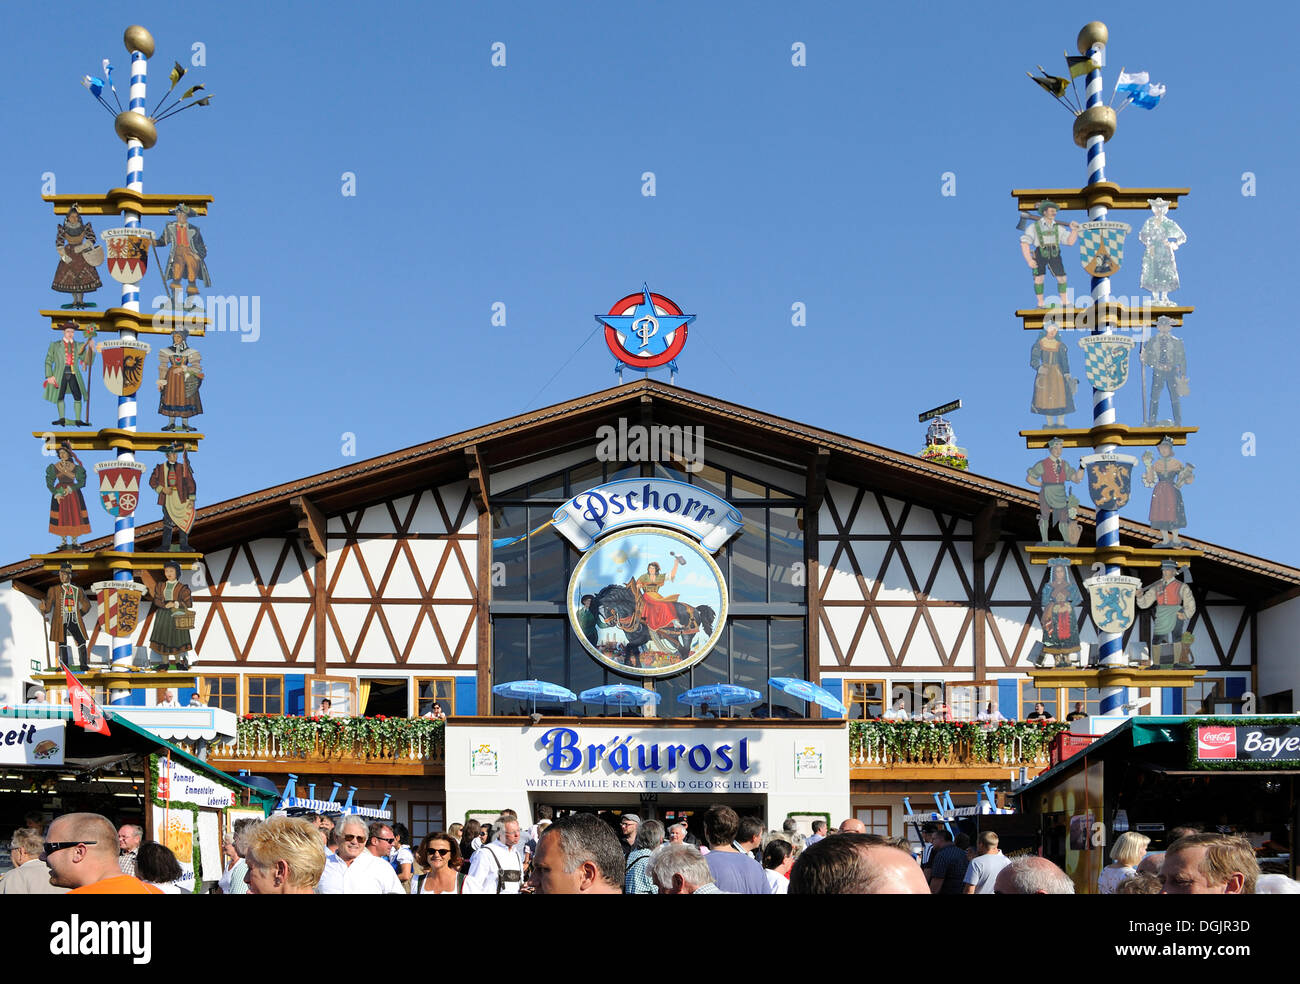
1113	599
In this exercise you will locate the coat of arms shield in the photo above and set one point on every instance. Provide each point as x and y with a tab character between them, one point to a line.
1110	479
1101	247
119	605
123	365
128	254
1113	598
1105	360
119	486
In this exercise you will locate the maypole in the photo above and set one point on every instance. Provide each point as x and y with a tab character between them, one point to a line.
121	485
1109	473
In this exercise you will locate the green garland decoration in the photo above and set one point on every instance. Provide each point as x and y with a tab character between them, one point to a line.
931	742
378	736
1269	765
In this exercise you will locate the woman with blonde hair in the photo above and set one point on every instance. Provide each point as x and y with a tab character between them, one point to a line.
285	857
1125	855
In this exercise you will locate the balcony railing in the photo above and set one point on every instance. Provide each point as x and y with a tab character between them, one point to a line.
374	741
884	744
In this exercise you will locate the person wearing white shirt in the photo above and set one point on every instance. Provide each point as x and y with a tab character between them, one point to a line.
496	868
990	717
356	871
898	712
166	699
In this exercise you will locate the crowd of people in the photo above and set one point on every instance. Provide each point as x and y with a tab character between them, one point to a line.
83	853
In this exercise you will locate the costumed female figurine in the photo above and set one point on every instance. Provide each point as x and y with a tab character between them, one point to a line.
1166	476
65	479
1161	236
79	253
1053	387
659	611
180	374
1061	601
171	597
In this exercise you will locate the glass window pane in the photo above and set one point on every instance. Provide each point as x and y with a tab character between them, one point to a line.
583	477
671	472
712	479
1030	695
749	659
586	672
550	487
788	659
744	488
546	657
785	540
748	581
509	522
548	579
627	471
509	658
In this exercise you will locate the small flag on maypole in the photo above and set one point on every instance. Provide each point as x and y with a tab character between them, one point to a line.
85	711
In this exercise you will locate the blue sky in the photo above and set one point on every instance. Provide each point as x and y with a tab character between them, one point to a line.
775	185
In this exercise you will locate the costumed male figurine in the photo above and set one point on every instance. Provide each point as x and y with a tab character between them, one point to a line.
188	257
66	603
65	479
79	253
1050	476
171	597
1053	395
174	483
1175	607
1168	361
1040	245
64	361
1161	236
180	374
1165	476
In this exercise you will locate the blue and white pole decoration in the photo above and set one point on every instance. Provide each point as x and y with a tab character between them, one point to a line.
132	243
1092	44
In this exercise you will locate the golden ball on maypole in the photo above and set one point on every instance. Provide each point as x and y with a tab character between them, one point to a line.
137	38
132	125
1093	34
1095	121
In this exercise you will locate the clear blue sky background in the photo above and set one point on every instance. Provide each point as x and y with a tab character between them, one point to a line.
775	185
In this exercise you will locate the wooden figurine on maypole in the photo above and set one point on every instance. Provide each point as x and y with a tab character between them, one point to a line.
79	254
1061	603
64	361
65	478
174	483
1174	608
180	374
1161	236
1041	240
1056	504
1165	476
1054	387
1166	357
66	603
173	617
187	260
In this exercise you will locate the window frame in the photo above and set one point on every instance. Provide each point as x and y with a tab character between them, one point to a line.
248	693
416	698
205	694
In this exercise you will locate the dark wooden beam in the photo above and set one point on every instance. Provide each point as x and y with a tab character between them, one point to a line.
22	587
816	484
987	527
479	482
311	525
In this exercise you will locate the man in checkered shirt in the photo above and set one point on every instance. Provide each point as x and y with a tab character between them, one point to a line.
128	842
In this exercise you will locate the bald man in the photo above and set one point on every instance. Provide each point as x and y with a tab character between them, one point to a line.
81	851
1032	876
853	826
856	864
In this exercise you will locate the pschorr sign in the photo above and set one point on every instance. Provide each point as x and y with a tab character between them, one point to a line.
1252	743
24	742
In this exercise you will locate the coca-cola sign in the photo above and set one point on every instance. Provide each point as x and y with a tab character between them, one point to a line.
1251	743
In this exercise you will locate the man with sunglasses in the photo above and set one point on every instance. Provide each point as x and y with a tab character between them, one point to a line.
81	851
356	870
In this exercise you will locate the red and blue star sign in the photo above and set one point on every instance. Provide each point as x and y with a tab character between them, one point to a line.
645	330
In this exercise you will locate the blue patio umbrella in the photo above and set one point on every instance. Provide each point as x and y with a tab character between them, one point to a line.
532	689
806	690
720	694
620	694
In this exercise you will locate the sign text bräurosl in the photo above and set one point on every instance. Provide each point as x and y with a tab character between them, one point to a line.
595	512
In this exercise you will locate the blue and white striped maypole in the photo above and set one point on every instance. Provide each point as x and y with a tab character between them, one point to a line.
1096	123
139	43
